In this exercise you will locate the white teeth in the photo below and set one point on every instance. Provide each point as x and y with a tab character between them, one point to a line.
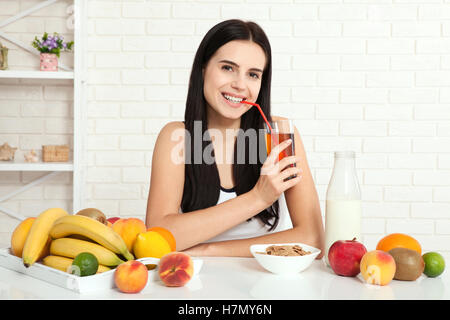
232	99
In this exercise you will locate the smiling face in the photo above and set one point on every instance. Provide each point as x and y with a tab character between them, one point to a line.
233	73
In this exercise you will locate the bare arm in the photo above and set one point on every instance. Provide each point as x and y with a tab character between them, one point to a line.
166	191
192	228
304	209
198	226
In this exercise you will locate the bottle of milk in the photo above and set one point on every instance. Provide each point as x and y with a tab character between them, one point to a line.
343	202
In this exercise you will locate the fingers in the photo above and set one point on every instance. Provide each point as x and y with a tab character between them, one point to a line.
274	183
283	163
270	169
276	151
290	172
292	182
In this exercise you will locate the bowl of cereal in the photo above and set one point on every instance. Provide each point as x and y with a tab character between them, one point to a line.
284	258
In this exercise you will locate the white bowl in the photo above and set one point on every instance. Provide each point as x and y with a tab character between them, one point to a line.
284	264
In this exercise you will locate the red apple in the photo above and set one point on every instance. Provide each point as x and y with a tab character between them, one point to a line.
113	219
344	257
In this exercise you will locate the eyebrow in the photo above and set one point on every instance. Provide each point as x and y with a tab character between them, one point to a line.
235	64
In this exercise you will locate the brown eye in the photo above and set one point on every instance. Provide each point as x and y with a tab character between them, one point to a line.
254	75
227	68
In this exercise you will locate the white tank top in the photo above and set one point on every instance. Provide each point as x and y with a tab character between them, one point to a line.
254	227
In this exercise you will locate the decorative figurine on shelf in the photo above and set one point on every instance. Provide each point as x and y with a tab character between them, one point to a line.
7	152
3	57
31	156
50	48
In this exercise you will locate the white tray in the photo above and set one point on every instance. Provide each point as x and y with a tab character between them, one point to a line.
97	282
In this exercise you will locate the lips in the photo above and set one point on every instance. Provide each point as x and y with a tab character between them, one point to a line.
235	99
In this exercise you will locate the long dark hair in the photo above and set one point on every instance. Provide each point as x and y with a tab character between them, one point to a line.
202	181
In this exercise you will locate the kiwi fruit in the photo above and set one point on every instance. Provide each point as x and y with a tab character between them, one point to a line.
94	214
409	264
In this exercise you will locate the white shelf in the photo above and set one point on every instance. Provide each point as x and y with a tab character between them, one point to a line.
31	74
36	166
76	167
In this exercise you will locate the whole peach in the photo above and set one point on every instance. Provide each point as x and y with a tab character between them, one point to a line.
19	236
131	276
128	229
377	267
175	269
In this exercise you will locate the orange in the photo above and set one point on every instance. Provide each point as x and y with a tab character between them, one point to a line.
399	240
167	235
150	244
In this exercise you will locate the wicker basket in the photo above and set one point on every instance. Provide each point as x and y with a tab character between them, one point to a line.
55	153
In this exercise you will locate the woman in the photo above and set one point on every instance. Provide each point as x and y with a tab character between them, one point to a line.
220	208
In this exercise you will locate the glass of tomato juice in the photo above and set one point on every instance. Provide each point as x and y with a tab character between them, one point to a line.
282	129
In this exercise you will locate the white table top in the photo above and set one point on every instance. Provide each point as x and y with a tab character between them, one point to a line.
223	278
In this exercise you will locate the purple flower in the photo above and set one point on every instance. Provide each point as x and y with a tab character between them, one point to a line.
52	43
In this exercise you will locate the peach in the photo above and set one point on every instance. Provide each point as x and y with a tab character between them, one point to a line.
377	267
131	276
19	236
128	229
175	269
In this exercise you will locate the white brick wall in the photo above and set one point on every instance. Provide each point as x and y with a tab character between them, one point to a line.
371	76
33	113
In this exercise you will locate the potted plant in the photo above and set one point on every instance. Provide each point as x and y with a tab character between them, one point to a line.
50	48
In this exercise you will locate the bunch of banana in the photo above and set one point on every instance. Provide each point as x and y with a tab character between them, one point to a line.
63	263
38	235
92	229
70	248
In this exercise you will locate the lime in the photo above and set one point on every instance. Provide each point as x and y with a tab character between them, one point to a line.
84	264
434	264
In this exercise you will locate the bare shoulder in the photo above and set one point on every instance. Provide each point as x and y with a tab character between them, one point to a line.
171	127
275	118
172	132
175	124
170	140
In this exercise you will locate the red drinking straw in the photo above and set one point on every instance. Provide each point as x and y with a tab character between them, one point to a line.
260	111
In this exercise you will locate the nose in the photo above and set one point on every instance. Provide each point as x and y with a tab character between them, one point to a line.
238	83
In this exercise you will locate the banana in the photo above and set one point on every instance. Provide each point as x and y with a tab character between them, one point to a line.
39	234
93	229
63	263
70	248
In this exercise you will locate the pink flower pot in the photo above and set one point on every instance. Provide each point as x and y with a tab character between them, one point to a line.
49	62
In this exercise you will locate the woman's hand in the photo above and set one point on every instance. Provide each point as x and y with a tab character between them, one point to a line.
272	181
